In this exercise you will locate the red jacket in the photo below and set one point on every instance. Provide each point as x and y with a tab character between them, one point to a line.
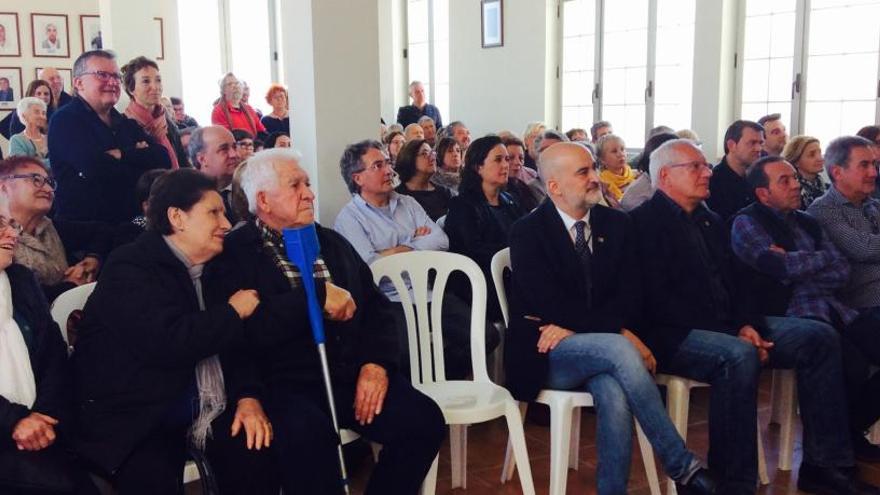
237	119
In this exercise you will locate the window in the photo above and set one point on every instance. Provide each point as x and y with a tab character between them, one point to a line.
250	56
636	73
427	31
200	56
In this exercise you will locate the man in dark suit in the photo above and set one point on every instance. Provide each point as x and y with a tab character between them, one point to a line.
574	299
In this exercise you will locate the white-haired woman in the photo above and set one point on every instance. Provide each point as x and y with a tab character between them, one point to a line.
232	111
32	141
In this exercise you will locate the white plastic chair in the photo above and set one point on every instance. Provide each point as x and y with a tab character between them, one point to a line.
565	413
783	395
463	402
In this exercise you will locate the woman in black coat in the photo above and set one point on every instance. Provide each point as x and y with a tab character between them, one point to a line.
148	377
480	217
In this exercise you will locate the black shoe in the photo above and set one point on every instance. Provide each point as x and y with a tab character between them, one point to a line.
832	481
701	483
864	450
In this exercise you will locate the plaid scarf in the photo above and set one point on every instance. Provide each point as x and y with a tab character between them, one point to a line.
273	243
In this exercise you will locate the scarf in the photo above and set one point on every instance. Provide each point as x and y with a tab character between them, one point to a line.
617	183
17	382
155	125
43	253
273	243
209	373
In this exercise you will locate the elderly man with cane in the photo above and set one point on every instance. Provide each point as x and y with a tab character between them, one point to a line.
371	396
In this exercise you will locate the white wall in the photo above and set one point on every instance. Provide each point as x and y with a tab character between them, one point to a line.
499	88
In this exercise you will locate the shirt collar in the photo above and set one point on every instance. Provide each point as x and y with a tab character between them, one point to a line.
569	222
392	202
838	198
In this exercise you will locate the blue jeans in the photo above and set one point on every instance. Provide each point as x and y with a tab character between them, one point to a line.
812	348
608	366
731	367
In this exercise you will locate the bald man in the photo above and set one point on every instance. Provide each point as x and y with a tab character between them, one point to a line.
214	152
53	77
572	312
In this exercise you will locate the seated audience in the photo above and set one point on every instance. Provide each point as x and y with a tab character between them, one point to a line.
616	174
660	129
522	182
158	363
212	149
98	154
373	398
641	189
775	134
701	322
181	119
413	132
60	97
244	143
238	199
577	134
62	254
232	111
394	140
277	140
458	131
533	129
430	130
480	217
143	85
185	135
420	107
805	154
689	134
279	119
379	222
245	99
546	139
32	141
416	166
871	133
794	270
129	231
571	311
730	190
39	89
599	129
449	159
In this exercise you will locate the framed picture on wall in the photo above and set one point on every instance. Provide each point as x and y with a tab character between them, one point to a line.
10	87
90	30
159	34
492	16
50	35
66	76
10	39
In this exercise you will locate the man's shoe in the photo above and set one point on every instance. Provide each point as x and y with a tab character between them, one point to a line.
701	483
832	481
864	450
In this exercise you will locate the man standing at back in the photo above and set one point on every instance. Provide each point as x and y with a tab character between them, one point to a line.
411	114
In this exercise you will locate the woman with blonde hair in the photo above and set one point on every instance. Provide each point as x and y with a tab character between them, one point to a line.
616	174
805	154
232	112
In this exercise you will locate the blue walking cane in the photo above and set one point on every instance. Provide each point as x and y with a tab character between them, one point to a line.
302	250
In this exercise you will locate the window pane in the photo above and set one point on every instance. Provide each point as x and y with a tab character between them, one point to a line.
674	66
251	55
768	61
625	60
200	56
578	63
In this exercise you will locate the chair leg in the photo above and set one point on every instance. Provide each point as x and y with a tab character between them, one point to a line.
560	441
520	453
509	461
776	398
762	461
429	486
574	442
787	416
376	448
648	459
678	398
498	356
458	455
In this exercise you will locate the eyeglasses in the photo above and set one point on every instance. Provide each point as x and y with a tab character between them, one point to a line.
245	144
8	223
693	167
37	180
427	153
104	76
377	165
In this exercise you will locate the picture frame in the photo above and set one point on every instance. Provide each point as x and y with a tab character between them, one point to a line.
10	35
492	23
50	35
66	76
160	44
10	87
90	32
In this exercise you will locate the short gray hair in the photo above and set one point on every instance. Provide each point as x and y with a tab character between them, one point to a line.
413	84
604	141
260	174
549	134
26	103
667	154
350	163
79	67
425	118
840	149
196	145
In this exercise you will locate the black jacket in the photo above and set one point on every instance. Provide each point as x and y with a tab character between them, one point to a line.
547	282
140	339
93	185
678	287
281	334
80	239
47	352
729	192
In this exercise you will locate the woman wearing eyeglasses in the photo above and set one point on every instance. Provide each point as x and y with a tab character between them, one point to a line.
416	166
62	254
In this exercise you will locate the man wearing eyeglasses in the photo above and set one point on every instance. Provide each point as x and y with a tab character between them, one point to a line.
98	154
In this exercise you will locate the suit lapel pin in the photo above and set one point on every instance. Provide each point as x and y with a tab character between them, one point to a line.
600	239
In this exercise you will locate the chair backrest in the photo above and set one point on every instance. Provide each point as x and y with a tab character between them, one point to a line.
420	268
501	262
68	302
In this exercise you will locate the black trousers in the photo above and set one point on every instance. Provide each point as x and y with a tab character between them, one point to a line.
156	466
51	471
410	428
861	351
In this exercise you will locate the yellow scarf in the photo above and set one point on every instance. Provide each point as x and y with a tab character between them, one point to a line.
617	183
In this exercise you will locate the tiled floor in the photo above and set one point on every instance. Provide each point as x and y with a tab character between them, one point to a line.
486	445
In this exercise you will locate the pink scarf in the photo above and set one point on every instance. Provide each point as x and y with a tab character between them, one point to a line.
155	125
